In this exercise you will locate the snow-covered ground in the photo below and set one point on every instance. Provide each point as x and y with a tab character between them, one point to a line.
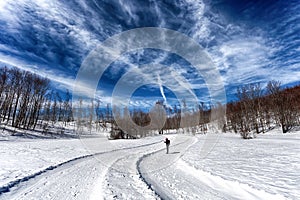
267	167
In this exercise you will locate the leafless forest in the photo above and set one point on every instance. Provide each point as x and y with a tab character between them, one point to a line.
27	101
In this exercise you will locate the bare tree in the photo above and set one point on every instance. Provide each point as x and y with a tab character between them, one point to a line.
282	105
67	108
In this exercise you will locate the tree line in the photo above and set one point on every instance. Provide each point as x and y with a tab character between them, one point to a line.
255	111
26	100
260	109
142	123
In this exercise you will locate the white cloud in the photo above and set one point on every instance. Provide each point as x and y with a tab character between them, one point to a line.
200	30
160	84
60	80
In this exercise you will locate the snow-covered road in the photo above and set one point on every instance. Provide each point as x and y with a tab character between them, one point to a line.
78	178
140	169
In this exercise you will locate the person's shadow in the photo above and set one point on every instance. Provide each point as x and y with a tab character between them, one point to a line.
175	152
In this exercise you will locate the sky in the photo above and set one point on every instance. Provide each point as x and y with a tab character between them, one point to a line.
248	42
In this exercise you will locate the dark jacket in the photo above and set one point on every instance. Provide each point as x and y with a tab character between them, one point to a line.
167	141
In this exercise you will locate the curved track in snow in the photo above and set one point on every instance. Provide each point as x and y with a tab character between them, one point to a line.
125	179
138	172
180	180
71	179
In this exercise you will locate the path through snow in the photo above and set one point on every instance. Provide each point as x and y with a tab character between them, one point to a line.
141	169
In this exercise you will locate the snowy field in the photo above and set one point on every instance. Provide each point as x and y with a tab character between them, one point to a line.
267	167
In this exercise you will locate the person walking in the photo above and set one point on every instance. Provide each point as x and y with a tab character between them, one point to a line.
167	141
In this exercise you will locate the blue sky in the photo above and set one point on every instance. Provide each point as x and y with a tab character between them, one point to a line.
248	41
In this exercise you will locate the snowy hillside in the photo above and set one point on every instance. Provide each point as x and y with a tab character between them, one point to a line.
267	167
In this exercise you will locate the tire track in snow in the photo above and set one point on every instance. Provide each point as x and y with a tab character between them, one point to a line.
126	183
147	180
73	181
6	188
192	183
172	183
124	180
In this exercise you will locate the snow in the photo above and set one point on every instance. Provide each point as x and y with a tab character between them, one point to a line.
25	157
231	188
268	163
267	167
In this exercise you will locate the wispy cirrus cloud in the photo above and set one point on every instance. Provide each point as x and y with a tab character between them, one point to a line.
59	78
248	42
